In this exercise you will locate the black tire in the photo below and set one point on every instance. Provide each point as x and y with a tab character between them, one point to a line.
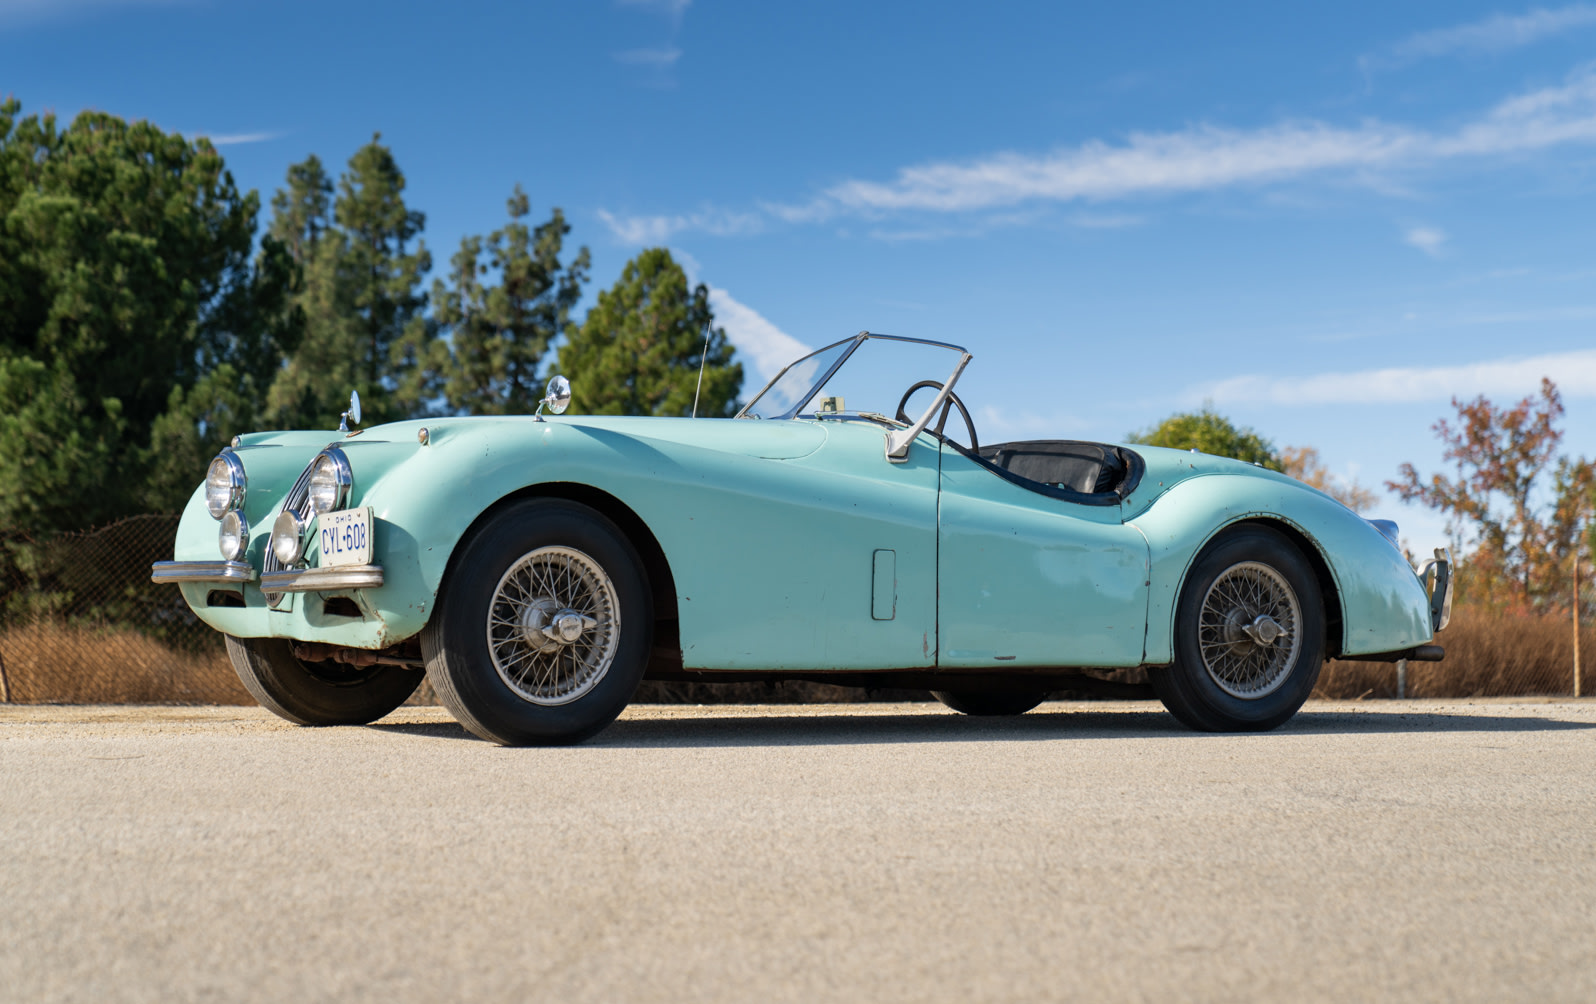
548	692
317	693
990	703
1250	681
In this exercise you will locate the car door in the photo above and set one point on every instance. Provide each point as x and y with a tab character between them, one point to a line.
1027	579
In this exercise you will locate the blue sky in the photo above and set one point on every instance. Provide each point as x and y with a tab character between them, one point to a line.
1329	220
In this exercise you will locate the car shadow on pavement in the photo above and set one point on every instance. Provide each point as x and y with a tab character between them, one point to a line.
713	727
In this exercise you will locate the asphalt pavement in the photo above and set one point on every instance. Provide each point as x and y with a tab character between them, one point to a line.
1415	850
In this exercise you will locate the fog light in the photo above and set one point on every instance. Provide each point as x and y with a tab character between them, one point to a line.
233	538
288	538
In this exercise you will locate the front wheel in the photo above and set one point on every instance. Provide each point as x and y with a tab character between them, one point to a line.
543	628
317	693
1249	635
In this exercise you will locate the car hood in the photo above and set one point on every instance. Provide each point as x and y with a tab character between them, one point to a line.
774	440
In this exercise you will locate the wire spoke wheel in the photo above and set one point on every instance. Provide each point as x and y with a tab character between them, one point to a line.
1250	630
553	625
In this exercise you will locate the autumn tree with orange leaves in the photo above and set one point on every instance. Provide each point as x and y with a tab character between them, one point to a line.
1520	504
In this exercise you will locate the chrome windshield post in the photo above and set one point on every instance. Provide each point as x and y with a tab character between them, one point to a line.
899	439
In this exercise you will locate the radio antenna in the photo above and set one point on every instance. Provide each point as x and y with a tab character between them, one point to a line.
702	357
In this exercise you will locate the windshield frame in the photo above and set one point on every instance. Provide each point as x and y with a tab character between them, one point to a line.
856	340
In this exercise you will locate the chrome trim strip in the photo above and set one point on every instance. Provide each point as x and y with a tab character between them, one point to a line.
322	580
202	571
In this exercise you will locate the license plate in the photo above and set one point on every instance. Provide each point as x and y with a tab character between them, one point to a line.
346	537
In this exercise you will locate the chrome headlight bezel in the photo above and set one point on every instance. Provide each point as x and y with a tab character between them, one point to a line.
330	484
288	538
225	484
232	537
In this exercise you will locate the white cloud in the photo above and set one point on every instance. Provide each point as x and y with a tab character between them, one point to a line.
1574	372
238	138
1426	239
1198	158
1212	157
659	59
1106	221
764	347
1493	34
655	230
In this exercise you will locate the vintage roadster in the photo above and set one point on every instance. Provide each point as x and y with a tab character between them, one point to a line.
537	568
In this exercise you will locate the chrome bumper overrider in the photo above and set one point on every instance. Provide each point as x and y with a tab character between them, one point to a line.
235	572
322	580
1436	574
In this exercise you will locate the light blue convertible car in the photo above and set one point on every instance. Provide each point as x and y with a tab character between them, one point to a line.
537	568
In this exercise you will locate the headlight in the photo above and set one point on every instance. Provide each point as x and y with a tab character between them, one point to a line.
288	538
224	484
330	482
234	536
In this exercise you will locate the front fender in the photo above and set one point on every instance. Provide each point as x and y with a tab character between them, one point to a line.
1383	604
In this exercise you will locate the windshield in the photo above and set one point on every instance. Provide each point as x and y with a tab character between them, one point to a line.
795	385
865	375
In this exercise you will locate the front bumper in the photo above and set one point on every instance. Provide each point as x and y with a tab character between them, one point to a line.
336	578
225	572
322	580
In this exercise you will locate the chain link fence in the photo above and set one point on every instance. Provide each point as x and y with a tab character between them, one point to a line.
81	622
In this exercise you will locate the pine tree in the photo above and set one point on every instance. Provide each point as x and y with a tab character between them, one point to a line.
364	323
126	277
499	334
638	351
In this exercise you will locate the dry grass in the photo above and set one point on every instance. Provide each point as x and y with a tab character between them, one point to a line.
1488	654
53	664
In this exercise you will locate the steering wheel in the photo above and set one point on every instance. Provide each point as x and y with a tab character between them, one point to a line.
947	406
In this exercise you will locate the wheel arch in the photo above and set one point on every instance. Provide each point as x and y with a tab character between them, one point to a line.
662	583
1305	545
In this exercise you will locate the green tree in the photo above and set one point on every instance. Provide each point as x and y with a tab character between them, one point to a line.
638	351
500	333
1207	431
126	275
365	326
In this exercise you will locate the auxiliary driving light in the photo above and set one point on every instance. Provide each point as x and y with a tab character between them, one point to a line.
233	537
288	538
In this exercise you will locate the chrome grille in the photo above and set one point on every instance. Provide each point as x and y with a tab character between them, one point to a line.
297	497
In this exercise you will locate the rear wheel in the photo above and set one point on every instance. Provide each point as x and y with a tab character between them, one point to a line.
986	704
1249	635
543	628
317	693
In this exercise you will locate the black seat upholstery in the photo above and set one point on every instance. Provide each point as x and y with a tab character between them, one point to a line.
1061	463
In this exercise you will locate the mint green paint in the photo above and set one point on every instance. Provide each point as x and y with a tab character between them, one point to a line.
884	581
768	554
1029	580
1383	605
769	528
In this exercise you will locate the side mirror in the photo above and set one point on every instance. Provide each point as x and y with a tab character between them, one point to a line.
558	399
353	414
